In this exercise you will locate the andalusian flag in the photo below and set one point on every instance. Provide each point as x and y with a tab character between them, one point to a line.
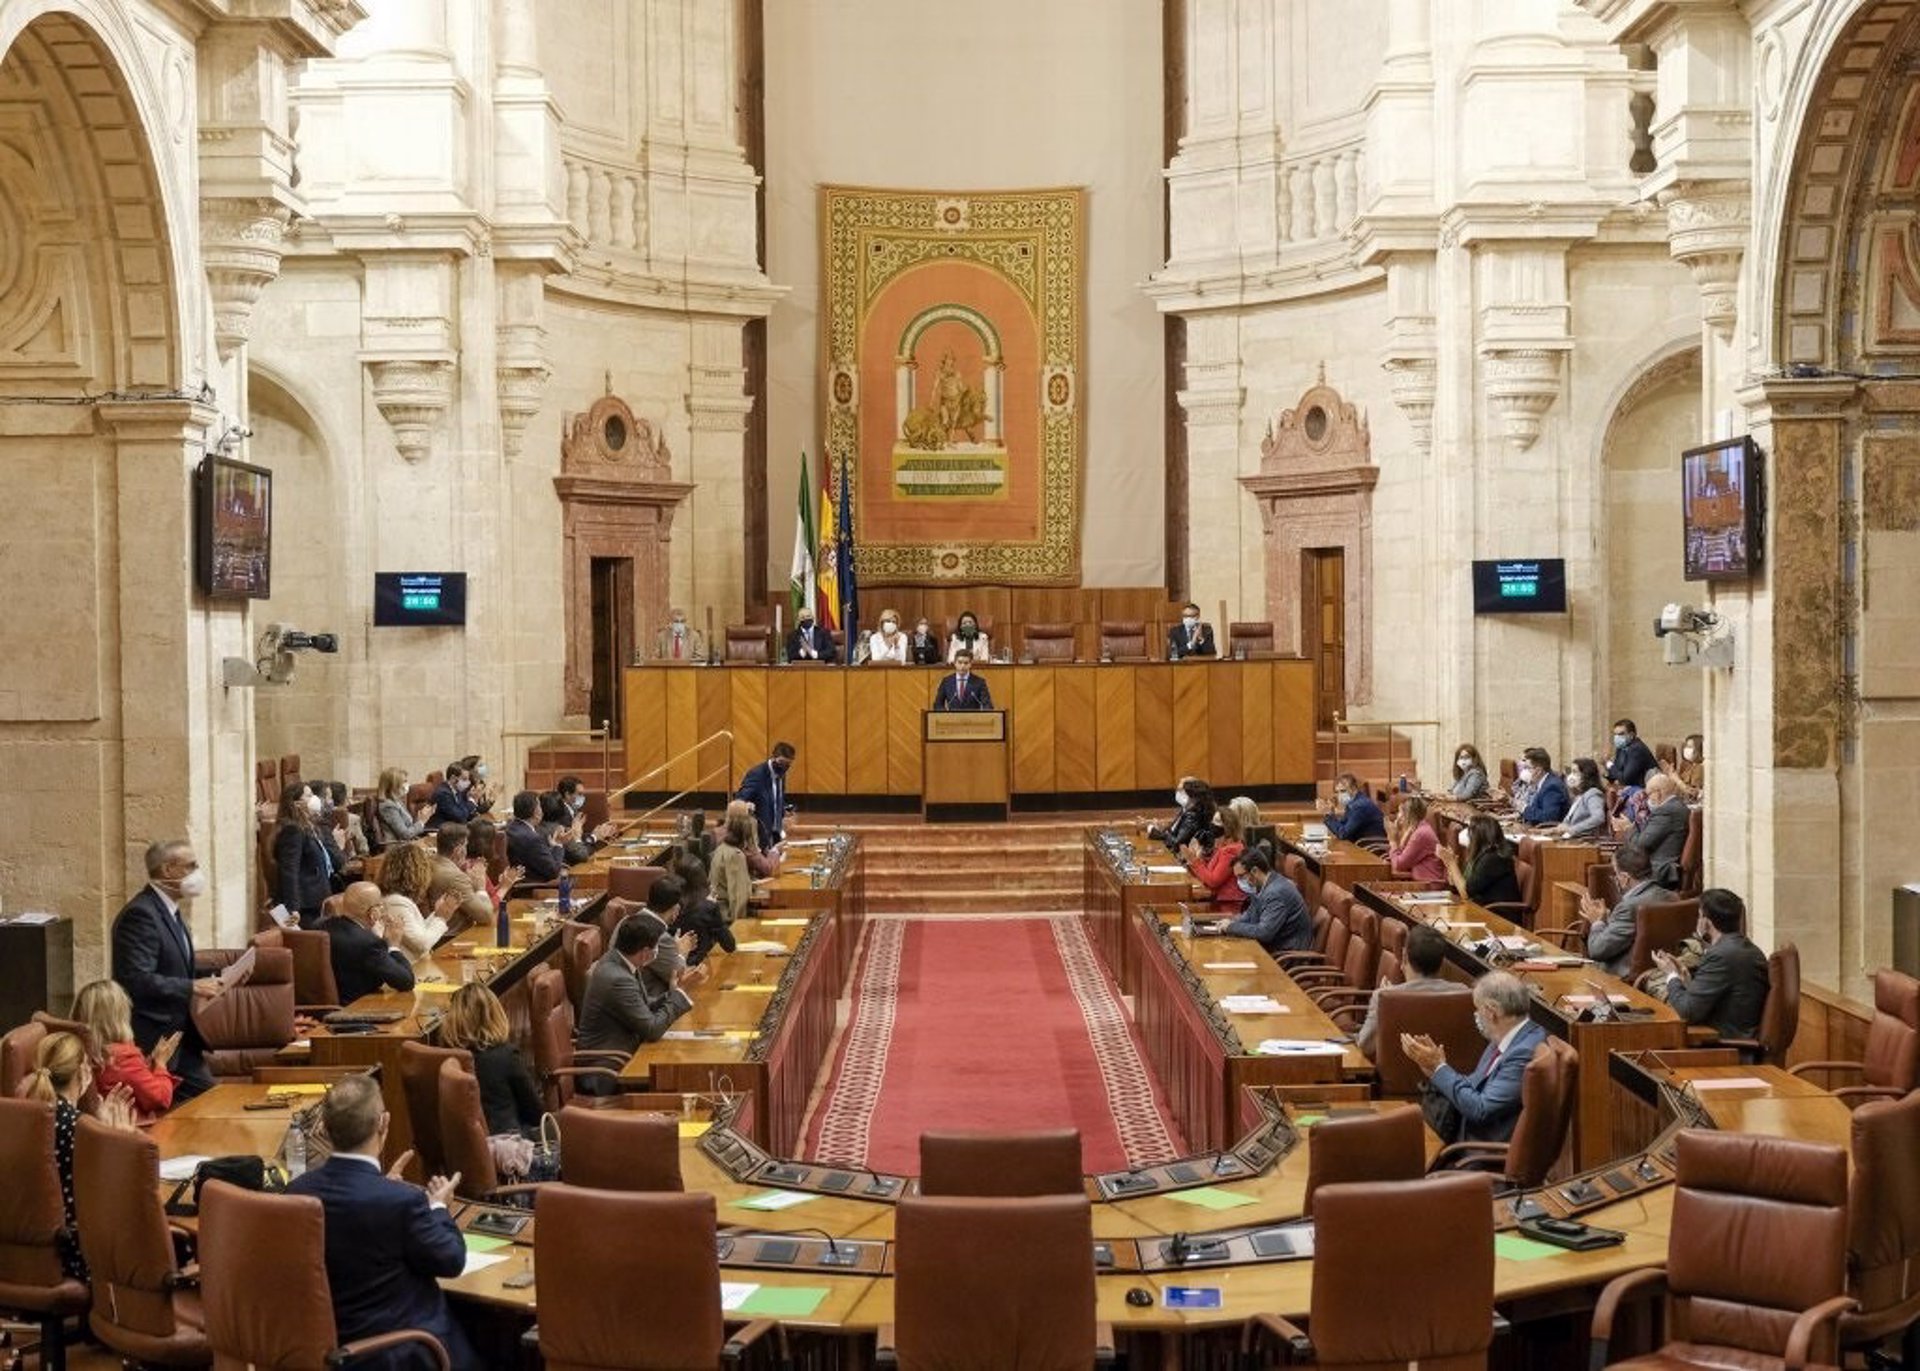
800	583
829	564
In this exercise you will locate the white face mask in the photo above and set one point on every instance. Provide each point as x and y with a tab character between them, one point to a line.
889	627
679	624
1464	763
1466	838
1619	740
315	805
578	803
480	772
1526	774
1189	619
1688	753
192	885
1343	796
1180	798
1486	1029
1573	780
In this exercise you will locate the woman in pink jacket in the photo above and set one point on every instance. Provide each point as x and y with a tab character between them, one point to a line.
1413	848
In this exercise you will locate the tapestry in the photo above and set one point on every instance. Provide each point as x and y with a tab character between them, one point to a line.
952	358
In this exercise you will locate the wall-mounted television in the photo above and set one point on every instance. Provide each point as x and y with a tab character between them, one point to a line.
1721	511
419	599
233	529
1520	586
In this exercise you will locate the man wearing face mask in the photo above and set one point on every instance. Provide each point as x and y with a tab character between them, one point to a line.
1728	989
451	804
1353	815
923	649
765	788
678	642
153	961
1190	637
1276	914
1547	798
1632	758
809	642
580	847
961	689
1483	1105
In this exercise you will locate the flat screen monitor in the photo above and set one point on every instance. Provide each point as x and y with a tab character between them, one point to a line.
419	599
1721	515
233	529
1520	586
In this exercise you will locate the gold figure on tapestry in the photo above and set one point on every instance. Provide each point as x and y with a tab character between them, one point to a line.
954	407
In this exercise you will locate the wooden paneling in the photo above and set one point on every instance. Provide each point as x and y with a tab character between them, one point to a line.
1225	764
867	740
1153	727
1075	758
1113	727
646	722
1256	721
909	691
714	700
748	694
1030	716
826	745
1293	731
787	721
1191	727
683	726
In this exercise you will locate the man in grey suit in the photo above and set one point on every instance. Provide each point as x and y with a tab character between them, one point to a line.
1275	915
1426	954
616	1013
1728	989
1610	938
1663	836
1486	1101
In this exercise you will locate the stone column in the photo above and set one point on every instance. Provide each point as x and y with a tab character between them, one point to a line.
1225	552
707	570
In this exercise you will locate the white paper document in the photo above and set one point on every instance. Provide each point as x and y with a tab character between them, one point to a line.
180	1168
1731	1083
1229	966
1252	1004
1298	1047
1167	870
480	1261
733	1294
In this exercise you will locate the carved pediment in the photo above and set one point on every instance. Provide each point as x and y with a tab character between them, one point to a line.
1322	433
610	443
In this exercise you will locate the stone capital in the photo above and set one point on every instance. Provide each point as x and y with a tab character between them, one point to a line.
1709	224
242	241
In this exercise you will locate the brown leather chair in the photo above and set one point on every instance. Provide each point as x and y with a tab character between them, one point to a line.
1249	639
263	1271
1756	1256
556	1062
1892	1056
1441	1227
419	793
1007	1165
17	1051
596	811
1123	640
748	643
1048	642
145	1309
619	1149
420	1085
982	1284
266	783
290	769
1548	1090
1883	1228
1660	928
33	1224
1603	883
463	1136
313	985
1354	975
248	1026
656	1255
580	947
631	883
1445	1017
1779	1015
1337	904
1305	879
1690	852
1526	874
1388	1146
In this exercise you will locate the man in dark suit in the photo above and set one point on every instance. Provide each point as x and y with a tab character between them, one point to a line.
1275	915
1610	932
1663	834
153	962
1547	798
362	961
1632	758
1190	637
388	1242
809	642
1353	816
1728	989
451	804
528	847
616	1012
961	689
765	788
1487	1101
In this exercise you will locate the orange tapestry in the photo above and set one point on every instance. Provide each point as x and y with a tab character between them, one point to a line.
952	377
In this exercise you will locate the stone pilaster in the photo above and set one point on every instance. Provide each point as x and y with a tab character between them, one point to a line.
711	576
1708	226
1221	519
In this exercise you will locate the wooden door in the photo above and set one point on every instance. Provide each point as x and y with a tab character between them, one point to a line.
612	637
1323	628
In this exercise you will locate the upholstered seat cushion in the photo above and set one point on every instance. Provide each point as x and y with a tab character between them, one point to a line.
1686	1356
187	1346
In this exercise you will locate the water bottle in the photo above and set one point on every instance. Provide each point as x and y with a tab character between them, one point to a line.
503	925
296	1149
566	894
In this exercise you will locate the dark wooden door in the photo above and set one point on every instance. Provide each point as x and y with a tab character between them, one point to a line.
612	637
1323	628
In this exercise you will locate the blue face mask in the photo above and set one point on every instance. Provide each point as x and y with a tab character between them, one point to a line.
1619	740
1246	886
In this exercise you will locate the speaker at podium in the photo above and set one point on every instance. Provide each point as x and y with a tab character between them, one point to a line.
965	757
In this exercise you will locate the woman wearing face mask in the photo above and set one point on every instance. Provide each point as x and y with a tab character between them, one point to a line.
1469	773
1195	799
1485	875
482	793
305	872
1691	771
923	649
1588	813
1412	844
1210	855
397	825
889	645
969	636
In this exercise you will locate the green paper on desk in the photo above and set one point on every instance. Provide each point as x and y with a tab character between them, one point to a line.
1308	1120
783	1301
1514	1248
770	1201
480	1242
1211	1197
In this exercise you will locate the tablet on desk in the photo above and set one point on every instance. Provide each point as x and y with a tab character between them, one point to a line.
1191	1297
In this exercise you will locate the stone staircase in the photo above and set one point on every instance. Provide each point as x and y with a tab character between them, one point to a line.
1031	865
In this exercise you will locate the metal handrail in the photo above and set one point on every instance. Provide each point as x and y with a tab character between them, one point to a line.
726	733
604	732
668	803
1343	724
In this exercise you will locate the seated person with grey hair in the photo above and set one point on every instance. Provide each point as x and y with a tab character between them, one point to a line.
1484	1104
1610	931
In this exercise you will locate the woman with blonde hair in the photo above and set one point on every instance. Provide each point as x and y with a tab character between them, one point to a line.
397	824
60	1077
509	1097
406	872
103	1006
889	644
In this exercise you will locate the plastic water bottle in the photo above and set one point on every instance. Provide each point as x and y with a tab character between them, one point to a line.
566	895
296	1149
503	924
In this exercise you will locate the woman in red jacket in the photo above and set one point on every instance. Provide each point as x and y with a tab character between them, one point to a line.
1413	848
108	1014
1212	865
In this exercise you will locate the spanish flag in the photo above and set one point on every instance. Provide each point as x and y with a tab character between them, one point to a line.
828	562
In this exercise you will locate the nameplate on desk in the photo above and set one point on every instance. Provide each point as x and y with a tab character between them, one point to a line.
966	726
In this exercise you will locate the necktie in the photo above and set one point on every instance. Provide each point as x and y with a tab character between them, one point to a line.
676	646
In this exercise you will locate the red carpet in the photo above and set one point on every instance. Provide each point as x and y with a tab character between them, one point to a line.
986	1024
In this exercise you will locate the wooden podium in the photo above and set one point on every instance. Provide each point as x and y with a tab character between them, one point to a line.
966	764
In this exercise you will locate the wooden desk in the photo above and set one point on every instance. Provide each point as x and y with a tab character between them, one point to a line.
826	874
1118	881
965	759
1333	859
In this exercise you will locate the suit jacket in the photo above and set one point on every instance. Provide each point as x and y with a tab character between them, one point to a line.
450	807
1663	837
397	825
1728	989
1491	880
1276	917
1587	814
957	694
1489	1098
362	961
385	1247
1610	942
448	875
1177	643
153	961
615	1013
766	790
1419	985
529	849
1548	802
1362	819
305	881
1630	764
816	637
924	653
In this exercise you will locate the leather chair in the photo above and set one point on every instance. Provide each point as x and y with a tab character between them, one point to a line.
1548	1090
581	945
463	1136
1445	1017
1005	1165
263	1268
314	988
1603	883
748	643
619	1149
1337	904
1779	1015
419	793
983	1284
32	1226
17	1050
266	783
420	1086
144	1309
1660	928
1883	1228
1124	640
248	1026
656	1255
1441	1227
1388	1146
556	1062
1305	879
290	769
1048	642
1756	1256
1353	977
1892	1065
1526	874
631	883
1251	638
1690	850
